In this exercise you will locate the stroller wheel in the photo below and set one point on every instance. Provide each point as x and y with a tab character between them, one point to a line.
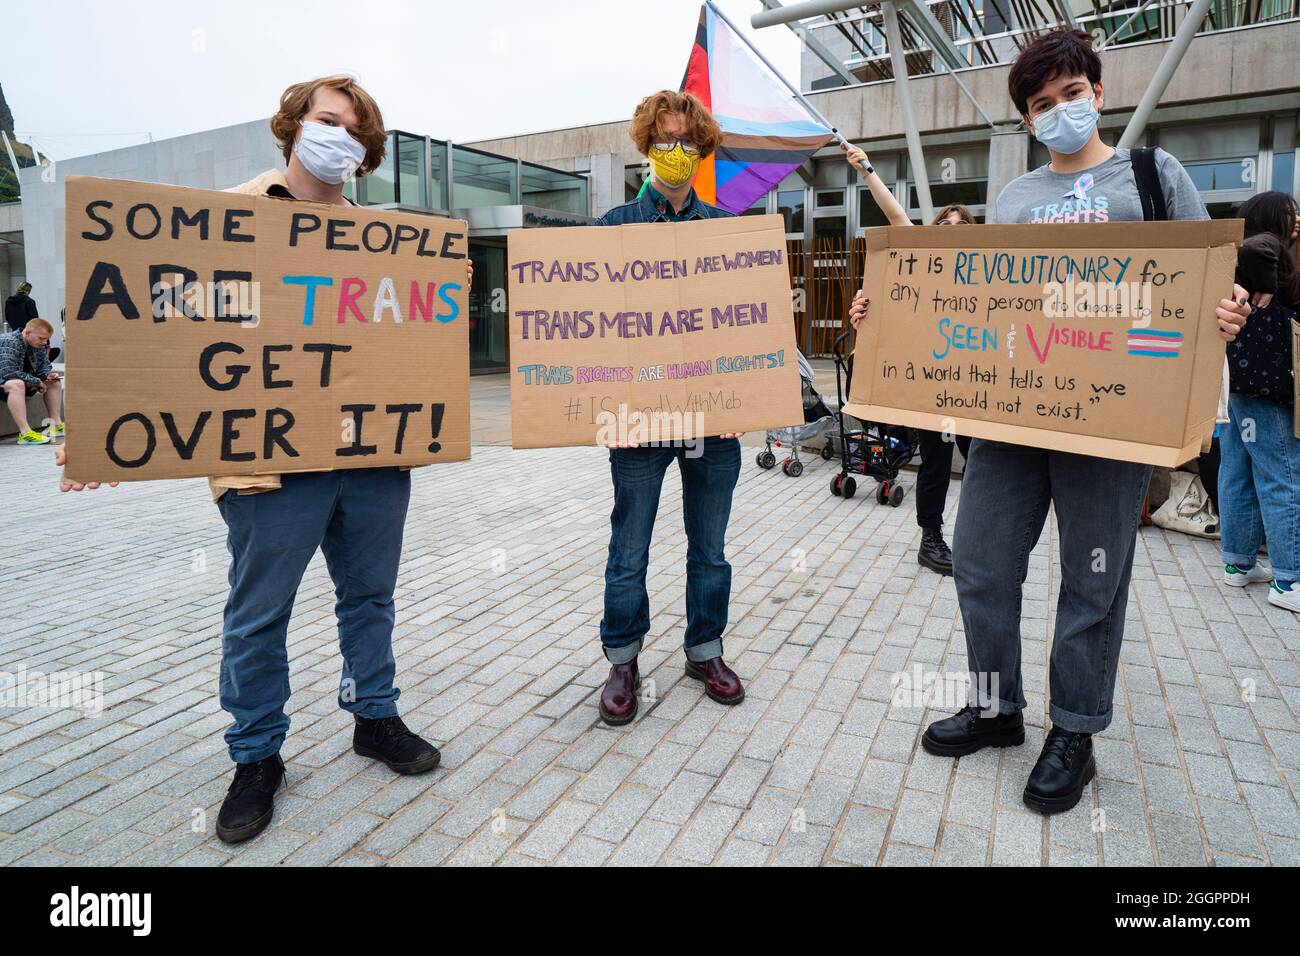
836	481
793	467
849	487
828	452
896	496
882	493
766	459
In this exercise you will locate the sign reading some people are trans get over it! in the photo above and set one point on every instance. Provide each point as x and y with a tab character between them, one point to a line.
1099	339
215	333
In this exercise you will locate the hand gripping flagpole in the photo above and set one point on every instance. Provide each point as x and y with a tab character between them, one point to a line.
775	72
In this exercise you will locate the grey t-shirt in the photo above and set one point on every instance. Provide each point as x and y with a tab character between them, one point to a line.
1105	193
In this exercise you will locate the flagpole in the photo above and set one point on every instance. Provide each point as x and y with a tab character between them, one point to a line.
775	72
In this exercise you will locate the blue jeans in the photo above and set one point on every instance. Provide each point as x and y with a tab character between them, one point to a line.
1259	486
356	518
1005	494
707	483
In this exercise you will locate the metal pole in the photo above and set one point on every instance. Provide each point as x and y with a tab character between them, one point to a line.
915	157
1121	28
1164	73
816	46
801	11
775	72
13	159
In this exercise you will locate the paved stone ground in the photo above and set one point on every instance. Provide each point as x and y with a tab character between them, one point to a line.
499	600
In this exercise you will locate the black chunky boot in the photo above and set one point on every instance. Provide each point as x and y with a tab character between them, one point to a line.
934	553
1064	769
966	732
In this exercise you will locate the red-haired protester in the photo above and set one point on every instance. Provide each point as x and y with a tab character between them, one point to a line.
330	130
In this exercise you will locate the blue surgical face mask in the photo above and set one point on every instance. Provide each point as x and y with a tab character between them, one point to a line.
330	153
1066	127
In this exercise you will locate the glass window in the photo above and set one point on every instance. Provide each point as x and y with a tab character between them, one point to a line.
412	172
789	203
479	179
1224	174
829	197
969	193
831	227
488	308
1284	172
378	186
438	175
554	189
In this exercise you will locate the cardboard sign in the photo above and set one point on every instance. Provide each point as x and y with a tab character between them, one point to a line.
1098	339
651	332
215	334
1295	377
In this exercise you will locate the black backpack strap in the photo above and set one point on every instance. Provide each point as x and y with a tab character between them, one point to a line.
1150	190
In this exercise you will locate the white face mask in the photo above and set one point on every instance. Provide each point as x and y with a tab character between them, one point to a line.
330	153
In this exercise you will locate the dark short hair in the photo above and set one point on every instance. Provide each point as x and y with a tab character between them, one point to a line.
1058	53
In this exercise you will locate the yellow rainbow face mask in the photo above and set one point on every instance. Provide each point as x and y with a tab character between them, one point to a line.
673	166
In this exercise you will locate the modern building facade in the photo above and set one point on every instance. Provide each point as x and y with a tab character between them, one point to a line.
420	174
1229	113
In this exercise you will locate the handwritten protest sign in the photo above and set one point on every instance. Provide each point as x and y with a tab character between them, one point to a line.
651	332
1098	339
213	333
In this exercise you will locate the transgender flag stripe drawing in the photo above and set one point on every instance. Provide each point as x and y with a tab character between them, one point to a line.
1154	343
766	133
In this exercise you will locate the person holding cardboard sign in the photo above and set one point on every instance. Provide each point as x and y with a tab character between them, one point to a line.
674	131
329	129
1007	490
935	473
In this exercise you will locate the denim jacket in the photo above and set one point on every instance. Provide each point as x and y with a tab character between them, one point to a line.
646	208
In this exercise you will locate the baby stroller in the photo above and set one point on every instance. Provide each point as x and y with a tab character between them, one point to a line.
818	420
877	451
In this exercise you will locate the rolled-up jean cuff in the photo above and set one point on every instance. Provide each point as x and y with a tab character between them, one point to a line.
623	654
256	756
371	711
704	652
1243	561
1004	708
1079	723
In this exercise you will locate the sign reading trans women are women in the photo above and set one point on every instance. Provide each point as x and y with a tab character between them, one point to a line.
651	332
1099	339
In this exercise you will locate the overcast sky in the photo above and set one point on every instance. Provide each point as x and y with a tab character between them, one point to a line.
82	77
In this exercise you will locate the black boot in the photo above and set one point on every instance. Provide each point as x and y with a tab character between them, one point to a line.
1063	770
389	740
934	553
250	801
966	732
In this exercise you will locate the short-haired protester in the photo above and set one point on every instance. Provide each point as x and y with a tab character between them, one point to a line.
25	370
1259	478
1056	85
330	129
935	473
674	131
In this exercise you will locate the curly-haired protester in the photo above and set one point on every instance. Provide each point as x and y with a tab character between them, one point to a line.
674	131
1007	490
25	370
1259	475
935	473
330	129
